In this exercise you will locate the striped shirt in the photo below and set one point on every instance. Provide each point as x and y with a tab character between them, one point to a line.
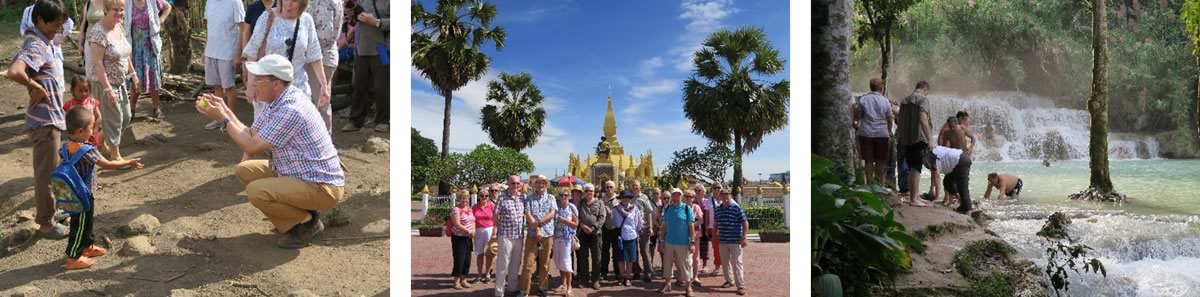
729	223
300	145
539	205
466	217
43	69
510	217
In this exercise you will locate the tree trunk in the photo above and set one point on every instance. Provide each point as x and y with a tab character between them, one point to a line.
179	31
443	187
832	134
1101	185
737	165
885	63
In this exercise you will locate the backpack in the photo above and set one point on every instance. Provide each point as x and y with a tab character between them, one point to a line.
69	188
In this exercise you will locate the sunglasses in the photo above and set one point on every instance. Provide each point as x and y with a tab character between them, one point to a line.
589	191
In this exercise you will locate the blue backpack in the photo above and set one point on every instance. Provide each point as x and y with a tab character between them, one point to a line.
70	189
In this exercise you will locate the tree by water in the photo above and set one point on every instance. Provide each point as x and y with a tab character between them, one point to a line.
879	20
1101	187
726	103
446	50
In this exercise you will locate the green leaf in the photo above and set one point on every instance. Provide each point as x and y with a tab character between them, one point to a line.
820	164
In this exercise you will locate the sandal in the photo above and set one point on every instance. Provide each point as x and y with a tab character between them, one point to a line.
726	285
57	232
93	251
81	263
665	289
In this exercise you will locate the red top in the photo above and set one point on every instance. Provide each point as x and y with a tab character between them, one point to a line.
89	103
483	215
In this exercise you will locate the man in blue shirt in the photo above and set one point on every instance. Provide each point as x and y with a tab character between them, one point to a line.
731	229
678	233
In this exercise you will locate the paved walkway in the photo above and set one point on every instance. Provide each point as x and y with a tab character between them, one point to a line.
766	274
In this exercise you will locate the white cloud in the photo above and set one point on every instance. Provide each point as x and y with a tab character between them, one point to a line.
648	66
553	104
647	131
703	17
653	88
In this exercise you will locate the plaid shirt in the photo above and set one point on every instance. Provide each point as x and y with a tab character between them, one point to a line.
539	205
510	216
44	69
300	145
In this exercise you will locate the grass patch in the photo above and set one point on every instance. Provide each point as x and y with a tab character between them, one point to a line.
980	253
996	284
337	218
932	232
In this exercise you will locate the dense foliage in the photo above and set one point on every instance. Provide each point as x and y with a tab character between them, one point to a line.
1043	47
423	153
486	164
856	239
708	165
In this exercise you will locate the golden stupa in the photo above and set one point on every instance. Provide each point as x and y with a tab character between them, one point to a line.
626	167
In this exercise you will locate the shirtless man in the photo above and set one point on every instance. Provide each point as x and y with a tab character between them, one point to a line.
955	133
1008	184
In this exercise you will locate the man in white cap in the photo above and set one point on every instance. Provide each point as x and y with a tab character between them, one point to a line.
303	174
678	233
540	209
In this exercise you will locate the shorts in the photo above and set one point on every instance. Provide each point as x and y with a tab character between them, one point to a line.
874	149
914	155
482	236
219	72
627	251
1017	189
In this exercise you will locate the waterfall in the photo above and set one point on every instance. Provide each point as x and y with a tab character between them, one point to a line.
1028	127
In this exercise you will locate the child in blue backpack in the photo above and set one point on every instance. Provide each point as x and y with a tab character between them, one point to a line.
80	127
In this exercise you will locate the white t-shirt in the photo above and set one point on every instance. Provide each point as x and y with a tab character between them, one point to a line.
307	48
224	18
876	111
947	158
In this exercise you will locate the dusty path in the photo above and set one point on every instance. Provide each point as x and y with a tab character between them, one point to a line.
211	242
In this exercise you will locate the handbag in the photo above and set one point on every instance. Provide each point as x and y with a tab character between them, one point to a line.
381	48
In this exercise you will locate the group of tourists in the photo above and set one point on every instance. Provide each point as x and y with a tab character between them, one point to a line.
581	232
287	43
884	126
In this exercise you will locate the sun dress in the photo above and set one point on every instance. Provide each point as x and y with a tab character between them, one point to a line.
145	58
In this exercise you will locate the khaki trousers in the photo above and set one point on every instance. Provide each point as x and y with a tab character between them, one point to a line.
46	142
532	257
284	200
677	255
732	261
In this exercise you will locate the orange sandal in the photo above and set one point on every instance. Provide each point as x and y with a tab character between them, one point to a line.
94	251
81	263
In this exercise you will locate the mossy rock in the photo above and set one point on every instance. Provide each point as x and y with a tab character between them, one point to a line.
991	269
932	232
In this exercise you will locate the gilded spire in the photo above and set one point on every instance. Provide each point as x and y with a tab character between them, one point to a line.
610	122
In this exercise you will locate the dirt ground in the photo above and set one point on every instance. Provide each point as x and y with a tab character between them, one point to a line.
211	242
766	274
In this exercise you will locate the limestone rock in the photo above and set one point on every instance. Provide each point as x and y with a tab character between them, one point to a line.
20	235
303	293
26	291
375	145
183	293
380	226
24	216
138	246
142	225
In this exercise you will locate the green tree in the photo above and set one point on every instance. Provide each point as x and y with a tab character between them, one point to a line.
724	101
448	170
1190	15
446	49
1101	187
879	19
708	165
518	121
489	164
423	153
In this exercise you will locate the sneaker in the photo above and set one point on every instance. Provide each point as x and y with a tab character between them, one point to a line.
158	113
351	127
290	241
310	229
213	126
382	128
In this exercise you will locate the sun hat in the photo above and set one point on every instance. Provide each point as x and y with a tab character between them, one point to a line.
272	65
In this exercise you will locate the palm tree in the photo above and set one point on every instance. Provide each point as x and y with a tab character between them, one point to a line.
725	103
1101	187
518	121
831	130
445	49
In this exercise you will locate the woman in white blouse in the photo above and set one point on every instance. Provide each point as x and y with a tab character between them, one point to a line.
290	32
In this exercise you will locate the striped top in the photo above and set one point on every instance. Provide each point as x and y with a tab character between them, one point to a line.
43	69
729	223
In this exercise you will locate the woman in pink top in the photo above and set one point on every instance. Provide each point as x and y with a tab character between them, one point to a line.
463	230
483	232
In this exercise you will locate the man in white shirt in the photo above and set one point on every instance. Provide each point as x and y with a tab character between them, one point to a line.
957	167
222	49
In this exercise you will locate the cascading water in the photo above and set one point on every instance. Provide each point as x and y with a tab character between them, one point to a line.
1028	127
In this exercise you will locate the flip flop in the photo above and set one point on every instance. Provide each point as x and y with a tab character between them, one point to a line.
94	251
58	232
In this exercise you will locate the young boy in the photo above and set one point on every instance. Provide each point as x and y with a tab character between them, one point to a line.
36	67
1009	185
81	125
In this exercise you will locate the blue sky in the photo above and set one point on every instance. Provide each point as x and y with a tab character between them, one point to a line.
576	50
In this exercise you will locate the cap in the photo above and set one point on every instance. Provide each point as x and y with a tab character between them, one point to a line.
676	191
626	194
272	65
577	188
